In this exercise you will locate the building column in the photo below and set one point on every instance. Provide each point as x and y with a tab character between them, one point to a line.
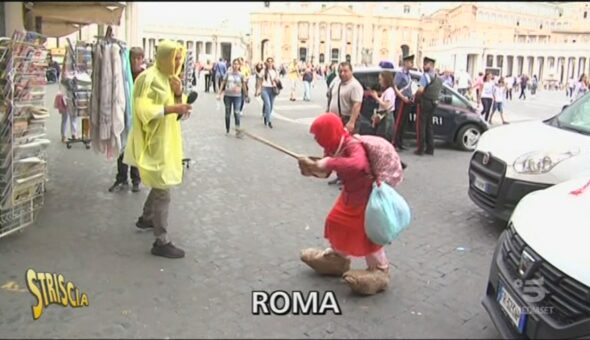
343	43
279	34
13	16
317	42
294	40
329	42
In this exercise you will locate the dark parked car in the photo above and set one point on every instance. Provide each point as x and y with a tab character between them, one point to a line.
456	121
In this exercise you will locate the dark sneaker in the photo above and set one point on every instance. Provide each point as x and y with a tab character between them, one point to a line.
141	224
429	152
135	187
119	186
167	250
270	125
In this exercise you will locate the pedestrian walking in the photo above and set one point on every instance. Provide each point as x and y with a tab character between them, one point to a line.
509	82
487	96
208	71
308	78
220	71
524	80
499	98
534	85
581	87
60	103
270	88
402	85
155	142
123	170
246	73
428	94
478	87
382	120
571	84
294	76
258	85
463	82
332	73
345	224
233	88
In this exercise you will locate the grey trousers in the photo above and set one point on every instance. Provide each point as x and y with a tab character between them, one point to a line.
155	211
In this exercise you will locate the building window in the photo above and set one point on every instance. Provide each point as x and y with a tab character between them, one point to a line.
490	61
323	6
322	58
406	9
303	54
303	31
335	54
348	58
585	14
208	47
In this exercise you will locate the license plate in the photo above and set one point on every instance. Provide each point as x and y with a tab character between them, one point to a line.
481	184
512	309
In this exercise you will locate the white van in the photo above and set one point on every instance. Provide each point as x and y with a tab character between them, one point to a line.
513	160
539	282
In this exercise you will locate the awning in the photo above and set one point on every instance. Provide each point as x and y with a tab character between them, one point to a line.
59	18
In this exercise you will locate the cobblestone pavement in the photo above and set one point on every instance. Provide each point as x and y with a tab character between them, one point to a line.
242	215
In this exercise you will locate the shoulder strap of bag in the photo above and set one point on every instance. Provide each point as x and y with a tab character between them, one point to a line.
339	108
371	170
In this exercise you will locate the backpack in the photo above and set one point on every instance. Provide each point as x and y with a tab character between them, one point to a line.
383	159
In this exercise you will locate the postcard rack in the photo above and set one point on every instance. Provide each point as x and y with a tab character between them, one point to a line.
189	72
23	137
77	83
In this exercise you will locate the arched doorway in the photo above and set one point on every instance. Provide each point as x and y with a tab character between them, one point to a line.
264	49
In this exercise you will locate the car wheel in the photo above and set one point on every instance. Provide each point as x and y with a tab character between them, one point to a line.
468	137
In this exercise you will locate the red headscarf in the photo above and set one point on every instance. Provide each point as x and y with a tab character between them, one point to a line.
328	130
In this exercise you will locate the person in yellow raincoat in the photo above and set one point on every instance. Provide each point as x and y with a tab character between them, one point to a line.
155	142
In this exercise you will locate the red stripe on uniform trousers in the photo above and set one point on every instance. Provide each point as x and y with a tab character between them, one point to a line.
418	114
398	120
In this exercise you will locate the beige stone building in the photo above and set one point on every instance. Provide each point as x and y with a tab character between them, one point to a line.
547	39
206	43
550	40
325	32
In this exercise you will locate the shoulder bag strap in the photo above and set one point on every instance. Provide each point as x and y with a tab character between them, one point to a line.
339	108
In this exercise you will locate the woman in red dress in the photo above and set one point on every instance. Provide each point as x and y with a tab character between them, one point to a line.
345	224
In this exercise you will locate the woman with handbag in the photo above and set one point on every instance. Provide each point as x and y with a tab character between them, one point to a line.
271	86
383	118
345	224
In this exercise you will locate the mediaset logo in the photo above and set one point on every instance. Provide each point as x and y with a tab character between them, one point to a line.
51	288
282	303
533	292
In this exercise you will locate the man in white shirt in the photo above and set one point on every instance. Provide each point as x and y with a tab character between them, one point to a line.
571	84
509	81
345	96
463	82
